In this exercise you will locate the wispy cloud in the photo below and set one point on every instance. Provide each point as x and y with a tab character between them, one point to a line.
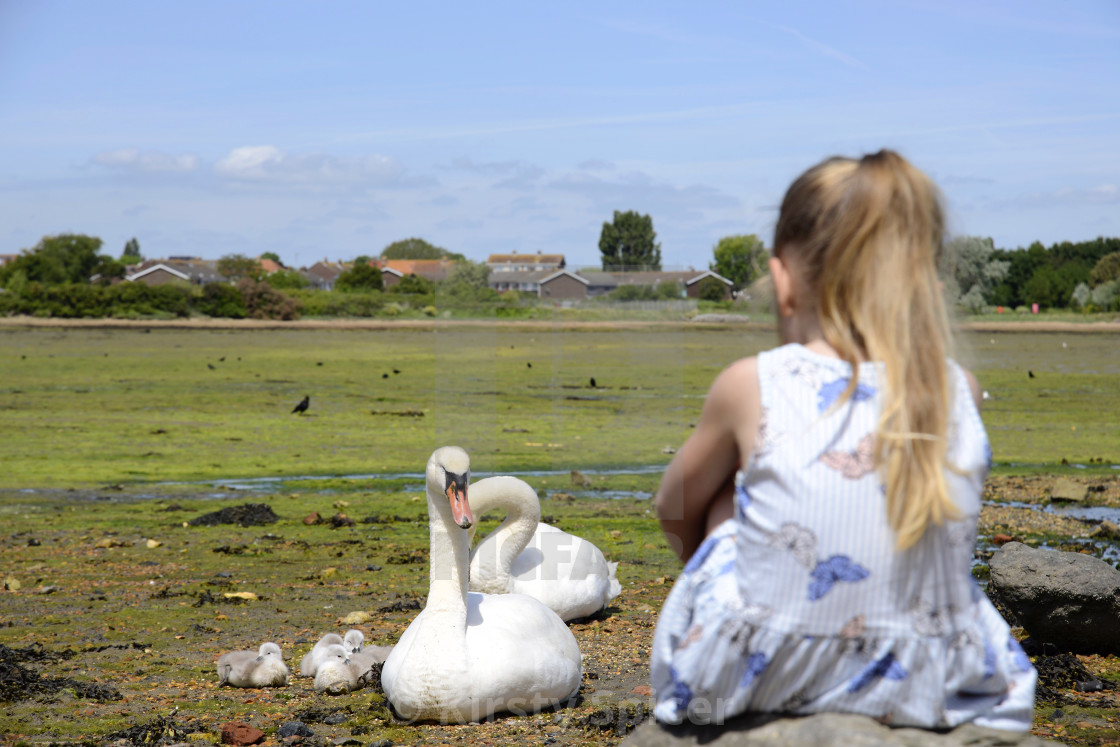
817	47
258	163
134	160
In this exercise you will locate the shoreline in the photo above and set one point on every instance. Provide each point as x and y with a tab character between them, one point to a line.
15	322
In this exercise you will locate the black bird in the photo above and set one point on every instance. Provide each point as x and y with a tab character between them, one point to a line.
319	363
396	370
210	366
1030	374
530	365
222	359
593	382
302	406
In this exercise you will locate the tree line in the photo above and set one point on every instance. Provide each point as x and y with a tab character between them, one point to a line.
68	275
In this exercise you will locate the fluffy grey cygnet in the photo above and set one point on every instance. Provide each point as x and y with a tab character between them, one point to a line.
334	676
262	668
309	665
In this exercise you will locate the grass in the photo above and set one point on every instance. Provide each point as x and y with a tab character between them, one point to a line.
145	433
89	407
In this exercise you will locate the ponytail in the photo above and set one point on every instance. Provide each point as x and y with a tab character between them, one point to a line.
870	234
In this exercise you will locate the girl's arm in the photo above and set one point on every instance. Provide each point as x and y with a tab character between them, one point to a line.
702	470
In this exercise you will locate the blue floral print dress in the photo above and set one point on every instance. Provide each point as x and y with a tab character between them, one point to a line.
802	604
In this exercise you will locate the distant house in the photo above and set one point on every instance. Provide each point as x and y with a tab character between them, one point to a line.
590	283
523	281
429	269
563	284
270	266
6	258
390	277
176	269
500	263
322	275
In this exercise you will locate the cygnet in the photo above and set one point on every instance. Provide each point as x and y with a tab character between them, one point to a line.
334	676
309	665
262	668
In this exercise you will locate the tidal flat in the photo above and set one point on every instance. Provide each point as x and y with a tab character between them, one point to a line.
114	439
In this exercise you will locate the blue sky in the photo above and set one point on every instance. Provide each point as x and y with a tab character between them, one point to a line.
330	129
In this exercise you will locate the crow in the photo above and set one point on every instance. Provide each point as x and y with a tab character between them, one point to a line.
302	406
210	366
529	365
396	370
1030	374
384	375
593	383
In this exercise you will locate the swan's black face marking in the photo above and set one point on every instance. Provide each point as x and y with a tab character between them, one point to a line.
455	487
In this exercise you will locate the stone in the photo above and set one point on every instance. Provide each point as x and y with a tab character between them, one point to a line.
295	729
239	733
1065	489
355	618
1066	599
821	730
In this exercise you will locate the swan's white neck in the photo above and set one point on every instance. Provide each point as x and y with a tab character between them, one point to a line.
502	546
449	557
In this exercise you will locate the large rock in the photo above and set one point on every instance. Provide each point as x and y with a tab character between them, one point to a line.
1066	599
821	730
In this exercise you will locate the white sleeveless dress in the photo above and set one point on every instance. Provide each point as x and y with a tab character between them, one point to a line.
801	604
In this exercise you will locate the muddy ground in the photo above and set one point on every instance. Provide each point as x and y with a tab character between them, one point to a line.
106	637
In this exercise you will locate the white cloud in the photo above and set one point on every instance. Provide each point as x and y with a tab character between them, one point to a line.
256	163
136	161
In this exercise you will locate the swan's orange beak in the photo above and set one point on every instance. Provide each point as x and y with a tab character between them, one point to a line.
456	491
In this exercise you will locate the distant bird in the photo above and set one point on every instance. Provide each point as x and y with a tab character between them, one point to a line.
384	375
396	370
1030	374
529	365
262	668
210	366
222	359
319	363
302	406
309	665
593	382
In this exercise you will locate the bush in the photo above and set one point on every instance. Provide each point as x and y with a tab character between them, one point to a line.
262	301
712	289
413	285
340	303
221	300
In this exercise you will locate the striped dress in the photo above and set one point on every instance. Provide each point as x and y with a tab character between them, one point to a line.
801	603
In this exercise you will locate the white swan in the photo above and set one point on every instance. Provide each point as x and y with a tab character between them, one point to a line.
353	640
262	668
567	573
467	656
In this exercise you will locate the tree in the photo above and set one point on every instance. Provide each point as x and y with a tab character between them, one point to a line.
131	254
362	276
629	242
971	270
288	279
417	249
238	266
66	258
413	285
273	256
741	259
1106	270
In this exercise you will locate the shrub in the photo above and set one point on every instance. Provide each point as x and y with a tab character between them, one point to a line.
262	301
221	300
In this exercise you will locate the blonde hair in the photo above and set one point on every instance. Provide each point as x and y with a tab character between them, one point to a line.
869	235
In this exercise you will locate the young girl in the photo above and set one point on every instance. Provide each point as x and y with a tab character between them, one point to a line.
826	503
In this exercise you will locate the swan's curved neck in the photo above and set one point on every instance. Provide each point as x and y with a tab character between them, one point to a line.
449	557
523	512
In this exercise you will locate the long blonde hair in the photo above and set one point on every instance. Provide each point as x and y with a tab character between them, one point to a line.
869	234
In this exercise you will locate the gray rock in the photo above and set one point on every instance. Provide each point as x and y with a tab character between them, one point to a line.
295	729
1062	598
821	730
